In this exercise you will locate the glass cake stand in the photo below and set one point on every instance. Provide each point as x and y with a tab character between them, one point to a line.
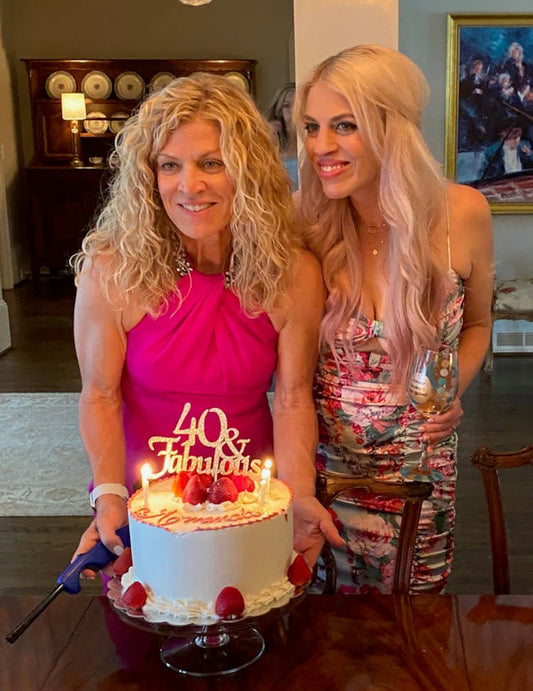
205	650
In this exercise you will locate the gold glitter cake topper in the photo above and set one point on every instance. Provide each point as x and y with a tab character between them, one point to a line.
228	450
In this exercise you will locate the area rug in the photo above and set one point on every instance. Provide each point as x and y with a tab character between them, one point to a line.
43	467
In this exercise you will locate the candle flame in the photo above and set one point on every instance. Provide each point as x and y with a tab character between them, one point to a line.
268	464
146	471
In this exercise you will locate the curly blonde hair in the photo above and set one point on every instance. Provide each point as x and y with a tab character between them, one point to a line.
133	231
387	93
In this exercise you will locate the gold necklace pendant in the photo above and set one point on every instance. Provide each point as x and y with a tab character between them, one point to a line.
373	229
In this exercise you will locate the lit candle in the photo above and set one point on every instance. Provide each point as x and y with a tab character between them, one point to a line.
264	485
268	475
262	489
146	471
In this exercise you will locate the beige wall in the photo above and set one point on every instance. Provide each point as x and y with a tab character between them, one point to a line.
6	278
8	170
324	27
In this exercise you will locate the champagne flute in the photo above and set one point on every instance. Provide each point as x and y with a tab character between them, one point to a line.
432	389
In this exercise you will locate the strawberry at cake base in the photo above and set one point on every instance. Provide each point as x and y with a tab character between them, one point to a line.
185	555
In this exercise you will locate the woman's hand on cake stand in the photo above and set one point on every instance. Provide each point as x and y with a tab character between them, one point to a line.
312	525
111	514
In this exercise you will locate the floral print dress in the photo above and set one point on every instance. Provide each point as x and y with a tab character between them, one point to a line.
364	429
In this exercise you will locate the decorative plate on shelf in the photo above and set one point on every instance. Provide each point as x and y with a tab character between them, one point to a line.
118	120
129	85
96	84
238	79
96	123
59	83
160	80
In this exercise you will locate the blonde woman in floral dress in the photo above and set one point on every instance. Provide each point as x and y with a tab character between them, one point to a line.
407	263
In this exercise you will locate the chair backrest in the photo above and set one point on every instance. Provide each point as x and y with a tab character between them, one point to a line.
489	463
330	486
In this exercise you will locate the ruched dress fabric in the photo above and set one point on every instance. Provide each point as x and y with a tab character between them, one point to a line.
364	428
204	351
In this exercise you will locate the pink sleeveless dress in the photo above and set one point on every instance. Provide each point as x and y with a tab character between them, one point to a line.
207	352
365	429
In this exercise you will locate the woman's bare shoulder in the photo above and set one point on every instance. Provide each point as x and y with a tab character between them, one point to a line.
103	296
307	267
304	299
467	200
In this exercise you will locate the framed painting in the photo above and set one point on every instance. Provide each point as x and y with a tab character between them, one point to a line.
489	107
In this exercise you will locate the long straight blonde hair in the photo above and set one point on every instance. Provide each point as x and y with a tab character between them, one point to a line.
387	93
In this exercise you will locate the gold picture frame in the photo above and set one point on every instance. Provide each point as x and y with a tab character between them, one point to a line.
489	107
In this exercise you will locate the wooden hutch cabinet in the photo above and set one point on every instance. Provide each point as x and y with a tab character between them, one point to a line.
63	199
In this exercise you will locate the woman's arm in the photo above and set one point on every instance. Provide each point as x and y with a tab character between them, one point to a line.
295	425
475	242
472	246
100	342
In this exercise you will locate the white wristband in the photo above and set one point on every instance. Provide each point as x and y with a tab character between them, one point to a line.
107	488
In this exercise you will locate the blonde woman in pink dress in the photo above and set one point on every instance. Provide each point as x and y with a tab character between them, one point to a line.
407	263
193	289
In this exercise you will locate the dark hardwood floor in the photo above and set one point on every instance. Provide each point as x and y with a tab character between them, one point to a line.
498	413
42	357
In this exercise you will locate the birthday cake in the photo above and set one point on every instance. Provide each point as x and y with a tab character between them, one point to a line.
210	539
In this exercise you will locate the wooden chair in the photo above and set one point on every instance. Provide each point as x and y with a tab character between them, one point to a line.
489	463
330	486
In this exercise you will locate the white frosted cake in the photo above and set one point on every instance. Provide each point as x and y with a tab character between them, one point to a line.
211	537
185	555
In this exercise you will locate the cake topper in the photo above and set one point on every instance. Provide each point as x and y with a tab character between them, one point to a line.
228	450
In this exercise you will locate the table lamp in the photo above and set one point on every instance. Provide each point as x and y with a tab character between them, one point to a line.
73	109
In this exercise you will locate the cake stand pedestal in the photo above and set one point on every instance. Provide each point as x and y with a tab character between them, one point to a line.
212	652
206	650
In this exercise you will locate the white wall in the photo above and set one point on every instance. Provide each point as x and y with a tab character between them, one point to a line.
422	36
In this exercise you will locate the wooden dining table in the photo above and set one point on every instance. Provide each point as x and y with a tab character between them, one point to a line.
330	642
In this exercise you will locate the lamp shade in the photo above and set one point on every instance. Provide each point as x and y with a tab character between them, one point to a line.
73	106
195	3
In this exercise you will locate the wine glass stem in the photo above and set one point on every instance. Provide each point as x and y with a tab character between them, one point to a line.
423	454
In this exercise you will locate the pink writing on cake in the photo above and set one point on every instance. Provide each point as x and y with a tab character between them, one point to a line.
169	517
228	450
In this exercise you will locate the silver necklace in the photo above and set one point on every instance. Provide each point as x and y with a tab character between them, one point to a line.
183	263
184	267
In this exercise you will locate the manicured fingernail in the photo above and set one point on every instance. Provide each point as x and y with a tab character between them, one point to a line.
118	549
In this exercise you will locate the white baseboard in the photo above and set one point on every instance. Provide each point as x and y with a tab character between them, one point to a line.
5	333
